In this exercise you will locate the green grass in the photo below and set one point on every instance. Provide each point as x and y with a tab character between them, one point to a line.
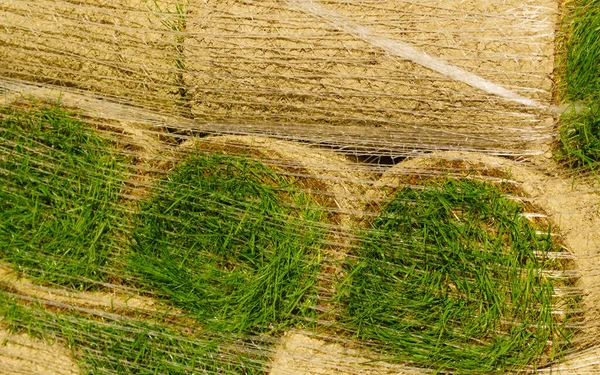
447	278
580	137
224	238
579	81
231	241
582	55
132	346
59	188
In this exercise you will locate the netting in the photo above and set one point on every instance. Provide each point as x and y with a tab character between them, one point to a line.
290	187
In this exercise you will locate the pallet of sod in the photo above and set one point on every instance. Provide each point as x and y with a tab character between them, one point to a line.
450	277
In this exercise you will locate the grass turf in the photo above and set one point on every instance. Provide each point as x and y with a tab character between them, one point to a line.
59	186
579	67
580	137
449	278
231	241
582	56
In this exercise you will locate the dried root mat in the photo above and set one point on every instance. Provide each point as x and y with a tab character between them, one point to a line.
420	75
420	72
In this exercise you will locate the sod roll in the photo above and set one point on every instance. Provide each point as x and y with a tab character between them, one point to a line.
458	75
572	209
455	268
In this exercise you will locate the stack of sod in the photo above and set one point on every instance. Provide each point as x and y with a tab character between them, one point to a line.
452	277
579	64
60	185
270	229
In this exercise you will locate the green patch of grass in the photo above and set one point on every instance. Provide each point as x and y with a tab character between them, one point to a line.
231	241
130	346
582	55
450	278
59	188
579	82
580	137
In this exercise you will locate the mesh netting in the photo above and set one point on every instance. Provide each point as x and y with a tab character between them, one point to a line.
289	187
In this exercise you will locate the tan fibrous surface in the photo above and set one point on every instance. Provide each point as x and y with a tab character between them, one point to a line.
125	49
264	66
22	355
303	354
585	362
270	64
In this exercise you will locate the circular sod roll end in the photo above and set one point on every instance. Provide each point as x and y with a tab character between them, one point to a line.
453	277
231	241
571	205
331	180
